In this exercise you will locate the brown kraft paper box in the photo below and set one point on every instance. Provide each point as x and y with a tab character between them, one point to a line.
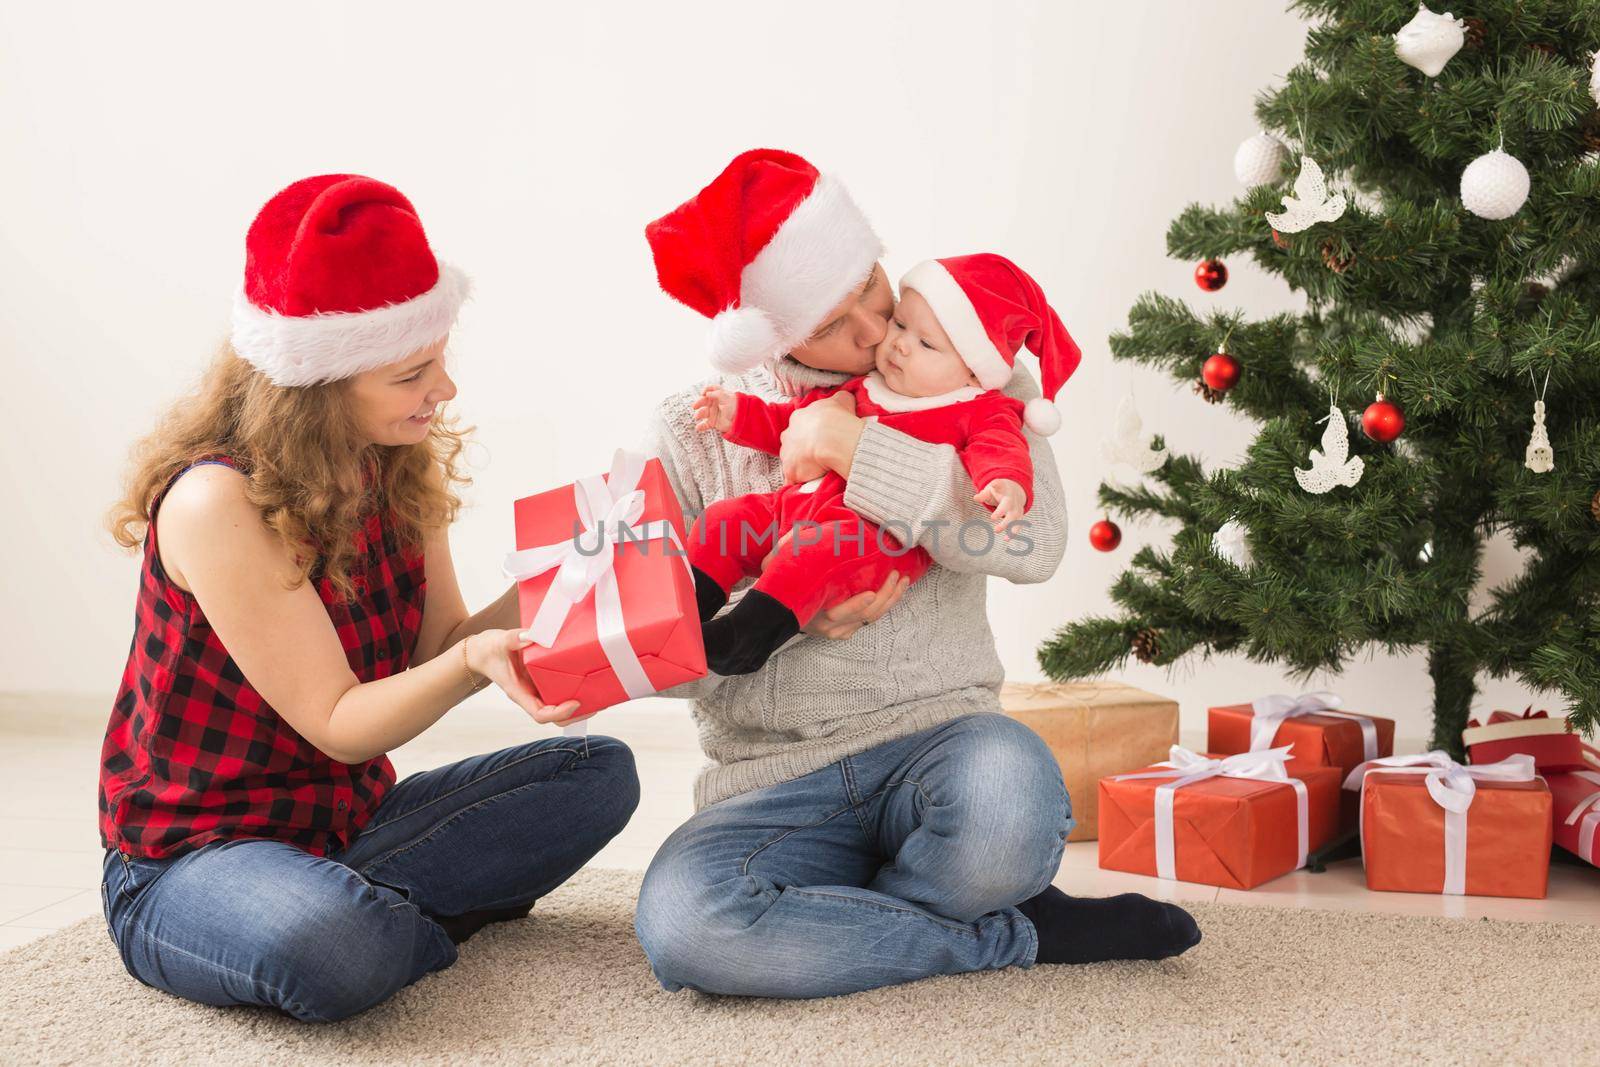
1094	729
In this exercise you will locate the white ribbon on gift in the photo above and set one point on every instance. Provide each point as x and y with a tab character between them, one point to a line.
608	512
1272	711
1587	809
1453	786
1191	767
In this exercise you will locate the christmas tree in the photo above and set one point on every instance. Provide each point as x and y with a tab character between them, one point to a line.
1451	270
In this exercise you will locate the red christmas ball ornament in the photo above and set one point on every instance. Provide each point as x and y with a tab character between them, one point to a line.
1105	535
1221	372
1211	275
1383	420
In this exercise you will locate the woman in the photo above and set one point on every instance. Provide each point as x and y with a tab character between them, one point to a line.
298	616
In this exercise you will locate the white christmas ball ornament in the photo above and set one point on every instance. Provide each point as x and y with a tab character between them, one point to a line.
1428	41
1495	185
1229	542
1259	160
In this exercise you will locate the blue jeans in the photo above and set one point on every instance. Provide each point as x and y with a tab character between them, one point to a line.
896	864
266	923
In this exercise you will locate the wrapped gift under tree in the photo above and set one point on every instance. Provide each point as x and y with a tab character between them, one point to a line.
1576	796
605	587
1320	732
1094	729
1552	742
1235	821
1432	825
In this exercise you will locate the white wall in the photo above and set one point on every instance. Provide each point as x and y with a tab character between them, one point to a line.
138	141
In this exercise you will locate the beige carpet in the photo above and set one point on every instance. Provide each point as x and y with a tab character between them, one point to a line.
571	986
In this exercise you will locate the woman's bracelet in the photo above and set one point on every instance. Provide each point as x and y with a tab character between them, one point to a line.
475	681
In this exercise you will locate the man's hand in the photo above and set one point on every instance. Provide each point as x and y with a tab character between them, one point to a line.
1006	499
842	620
715	408
821	437
846	617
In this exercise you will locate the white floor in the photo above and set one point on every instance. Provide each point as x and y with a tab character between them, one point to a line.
50	851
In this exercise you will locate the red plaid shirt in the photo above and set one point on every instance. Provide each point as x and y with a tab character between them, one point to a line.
193	754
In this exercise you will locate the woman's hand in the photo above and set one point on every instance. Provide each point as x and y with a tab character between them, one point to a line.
821	437
497	656
1006	499
715	408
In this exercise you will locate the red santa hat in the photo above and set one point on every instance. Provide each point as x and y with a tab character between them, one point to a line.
339	279
991	308
765	251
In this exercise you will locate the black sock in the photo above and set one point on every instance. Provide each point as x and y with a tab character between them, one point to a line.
707	593
741	641
463	926
1092	929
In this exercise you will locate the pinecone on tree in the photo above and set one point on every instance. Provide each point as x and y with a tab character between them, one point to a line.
1594	507
1589	132
1474	31
1146	645
1206	393
1334	258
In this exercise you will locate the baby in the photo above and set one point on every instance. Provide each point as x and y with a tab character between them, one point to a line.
949	349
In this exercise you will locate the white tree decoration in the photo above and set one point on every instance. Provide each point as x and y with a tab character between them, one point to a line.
1333	465
1310	203
1428	41
1127	444
1540	458
1230	543
1259	160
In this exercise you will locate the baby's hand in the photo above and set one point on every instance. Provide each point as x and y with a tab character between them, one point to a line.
1007	500
715	408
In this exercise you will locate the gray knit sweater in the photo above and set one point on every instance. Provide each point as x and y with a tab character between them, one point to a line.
931	659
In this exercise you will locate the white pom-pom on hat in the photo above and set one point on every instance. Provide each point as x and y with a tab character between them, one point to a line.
741	339
1041	416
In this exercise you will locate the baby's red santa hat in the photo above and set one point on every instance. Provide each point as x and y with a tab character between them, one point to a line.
991	308
339	279
765	251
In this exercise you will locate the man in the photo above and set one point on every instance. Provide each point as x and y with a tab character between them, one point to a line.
868	816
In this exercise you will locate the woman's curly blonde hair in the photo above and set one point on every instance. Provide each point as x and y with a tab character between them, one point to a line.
315	479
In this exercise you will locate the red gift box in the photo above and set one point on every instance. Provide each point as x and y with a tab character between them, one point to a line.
1431	825
1322	735
1234	822
619	614
1548	740
1577	813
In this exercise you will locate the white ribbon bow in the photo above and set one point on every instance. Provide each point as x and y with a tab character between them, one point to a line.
1272	711
608	511
1453	786
1191	767
1587	809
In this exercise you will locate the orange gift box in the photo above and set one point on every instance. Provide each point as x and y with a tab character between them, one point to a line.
1318	738
1499	846
1230	832
659	619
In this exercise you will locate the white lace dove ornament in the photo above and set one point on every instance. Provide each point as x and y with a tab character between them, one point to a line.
1594	78
1310	203
1333	465
1428	41
1127	444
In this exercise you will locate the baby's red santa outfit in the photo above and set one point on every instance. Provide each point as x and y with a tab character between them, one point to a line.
989	308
